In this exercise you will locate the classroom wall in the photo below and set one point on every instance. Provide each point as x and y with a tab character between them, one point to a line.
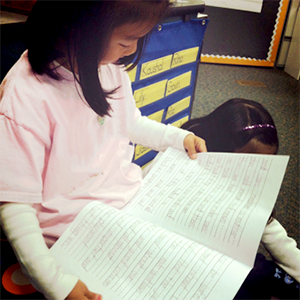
244	37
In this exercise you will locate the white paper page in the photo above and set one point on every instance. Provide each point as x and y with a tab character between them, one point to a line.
121	257
222	200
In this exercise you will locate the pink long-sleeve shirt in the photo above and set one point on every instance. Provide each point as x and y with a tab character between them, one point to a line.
55	152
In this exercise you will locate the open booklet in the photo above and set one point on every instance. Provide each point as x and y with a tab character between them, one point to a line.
191	232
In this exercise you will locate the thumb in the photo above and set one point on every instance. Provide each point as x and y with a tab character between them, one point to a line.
95	296
200	145
191	150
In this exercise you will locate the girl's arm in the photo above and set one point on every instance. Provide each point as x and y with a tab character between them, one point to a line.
282	248
159	137
22	229
152	134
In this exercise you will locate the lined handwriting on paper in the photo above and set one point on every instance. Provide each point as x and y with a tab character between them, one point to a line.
213	196
191	232
138	260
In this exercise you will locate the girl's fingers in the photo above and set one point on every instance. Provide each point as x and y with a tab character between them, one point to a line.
194	144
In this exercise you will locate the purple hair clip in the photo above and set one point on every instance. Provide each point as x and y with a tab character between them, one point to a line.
258	126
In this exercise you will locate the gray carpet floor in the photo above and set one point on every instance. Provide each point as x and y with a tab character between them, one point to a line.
279	93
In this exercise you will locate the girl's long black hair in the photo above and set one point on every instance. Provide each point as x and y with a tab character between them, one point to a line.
223	128
85	27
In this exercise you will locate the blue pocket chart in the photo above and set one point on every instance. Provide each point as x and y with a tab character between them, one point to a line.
163	82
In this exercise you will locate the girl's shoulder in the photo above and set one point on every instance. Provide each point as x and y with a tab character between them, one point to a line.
33	100
18	85
22	82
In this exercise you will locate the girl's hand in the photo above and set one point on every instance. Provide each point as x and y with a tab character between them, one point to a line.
193	144
81	292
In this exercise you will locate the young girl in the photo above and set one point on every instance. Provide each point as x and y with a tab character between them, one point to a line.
237	125
67	119
245	126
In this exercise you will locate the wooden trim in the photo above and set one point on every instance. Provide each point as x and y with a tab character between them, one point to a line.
236	61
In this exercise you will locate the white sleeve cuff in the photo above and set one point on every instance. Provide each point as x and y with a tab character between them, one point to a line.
22	229
282	248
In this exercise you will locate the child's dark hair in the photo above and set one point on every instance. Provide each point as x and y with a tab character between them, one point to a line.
85	27
229	128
